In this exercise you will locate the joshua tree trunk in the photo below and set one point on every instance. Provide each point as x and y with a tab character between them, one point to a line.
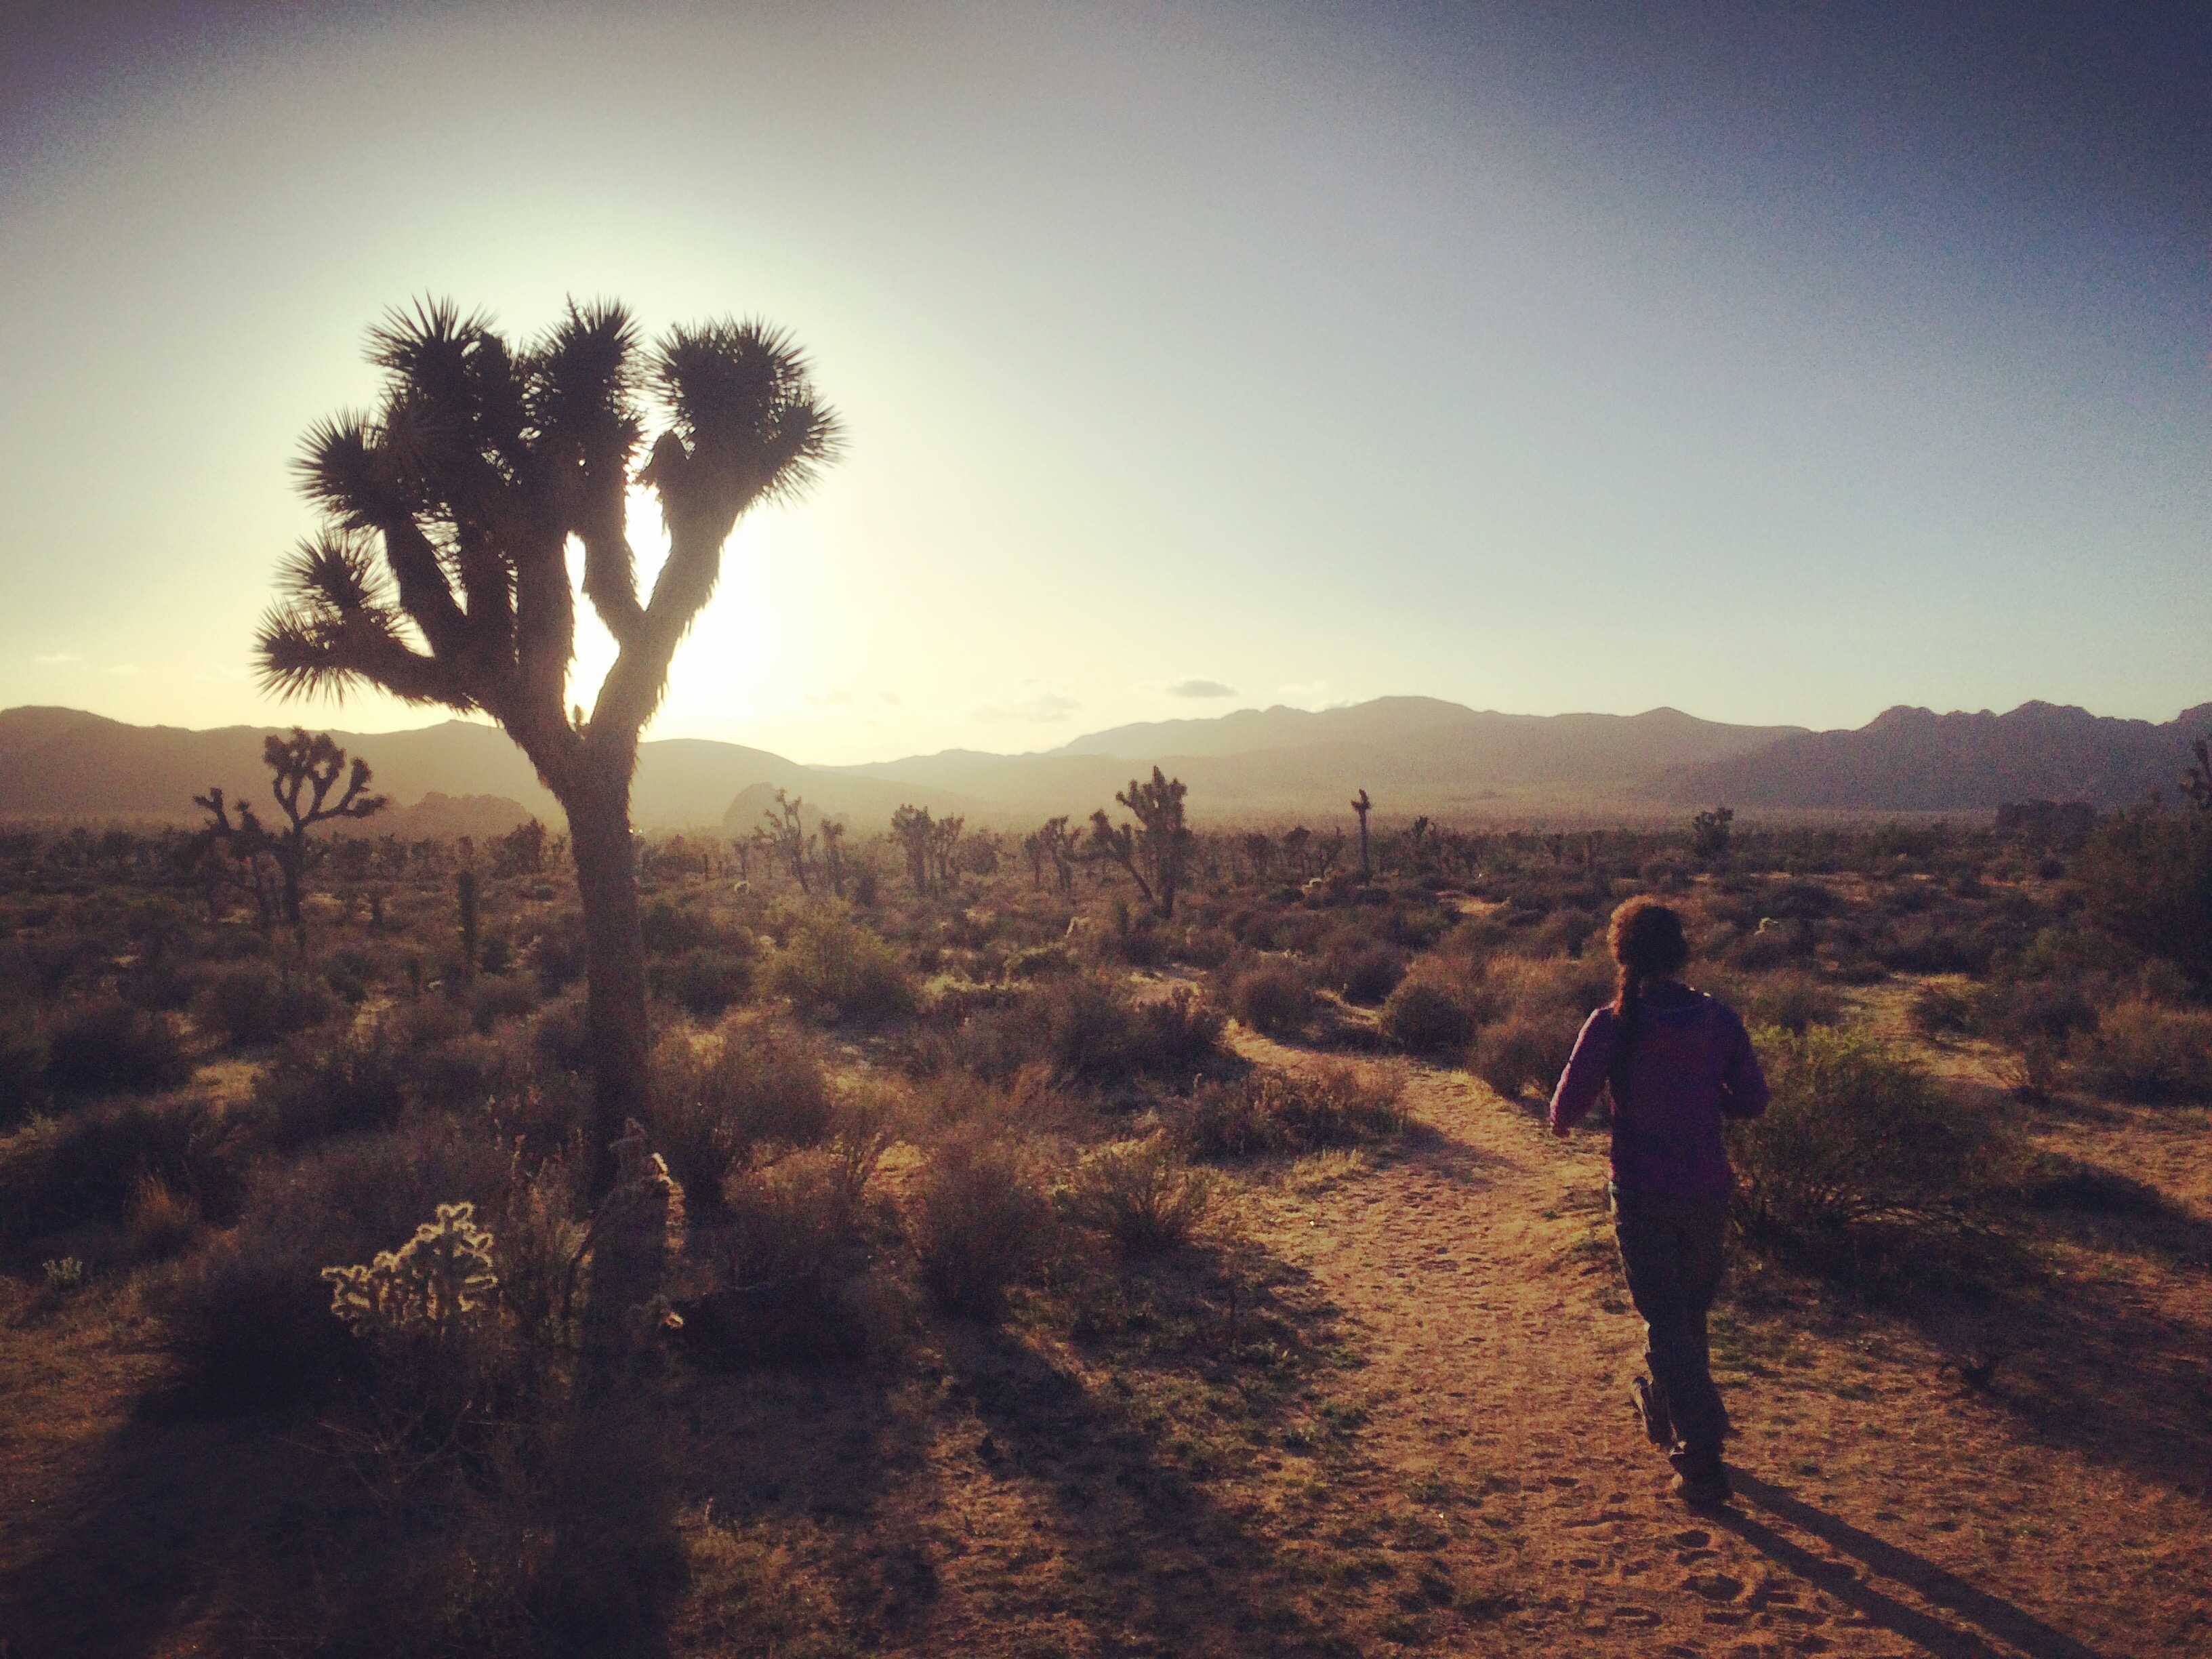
614	948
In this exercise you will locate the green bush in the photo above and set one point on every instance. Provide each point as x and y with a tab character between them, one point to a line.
1272	999
1280	1111
107	1044
833	970
1860	1152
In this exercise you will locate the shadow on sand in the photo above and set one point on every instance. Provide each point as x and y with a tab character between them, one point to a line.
1989	1616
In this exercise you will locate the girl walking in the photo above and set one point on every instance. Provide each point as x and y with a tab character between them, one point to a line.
1680	1062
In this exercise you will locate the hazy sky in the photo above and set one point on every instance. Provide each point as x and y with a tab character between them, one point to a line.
1779	362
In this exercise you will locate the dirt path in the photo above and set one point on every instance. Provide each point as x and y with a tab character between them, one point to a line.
1884	1509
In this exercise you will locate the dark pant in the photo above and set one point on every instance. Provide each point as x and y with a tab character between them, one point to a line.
1672	1249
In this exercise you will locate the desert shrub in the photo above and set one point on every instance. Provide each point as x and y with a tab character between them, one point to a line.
107	1044
1525	1051
161	1219
1366	976
1278	1111
22	1066
2023	1014
250	1003
1939	1011
1791	998
1177	1033
1859	1151
1083	1028
83	1168
485	1000
249	1317
328	1082
2147	878
1273	998
752	1084
832	969
703	982
1141	1195
1423	1016
795	1237
2139	1051
979	1221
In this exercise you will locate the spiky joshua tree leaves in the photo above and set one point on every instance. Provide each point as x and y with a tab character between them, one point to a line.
441	575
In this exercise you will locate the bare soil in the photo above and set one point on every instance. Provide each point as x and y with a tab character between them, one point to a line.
1391	1414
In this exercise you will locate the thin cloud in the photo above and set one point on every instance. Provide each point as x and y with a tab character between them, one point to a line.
58	658
828	699
1029	701
1201	689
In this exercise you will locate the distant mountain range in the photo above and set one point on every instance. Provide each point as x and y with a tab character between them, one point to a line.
1411	754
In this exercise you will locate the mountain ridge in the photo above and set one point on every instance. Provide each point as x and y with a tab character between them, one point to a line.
1413	754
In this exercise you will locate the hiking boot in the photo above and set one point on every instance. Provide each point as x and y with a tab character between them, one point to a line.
1700	1480
1651	1409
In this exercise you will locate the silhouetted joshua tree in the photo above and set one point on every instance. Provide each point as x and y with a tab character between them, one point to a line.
1154	850
238	854
442	576
788	839
1362	806
311	767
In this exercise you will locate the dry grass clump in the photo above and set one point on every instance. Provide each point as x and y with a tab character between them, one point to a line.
1141	1195
1272	999
753	1083
1280	1111
85	1167
979	1221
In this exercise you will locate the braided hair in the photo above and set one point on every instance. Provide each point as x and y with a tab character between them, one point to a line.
1647	941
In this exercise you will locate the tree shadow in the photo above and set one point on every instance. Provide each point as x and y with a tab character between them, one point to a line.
1159	1557
1992	1619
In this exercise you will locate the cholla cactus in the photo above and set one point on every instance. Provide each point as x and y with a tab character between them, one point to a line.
425	1287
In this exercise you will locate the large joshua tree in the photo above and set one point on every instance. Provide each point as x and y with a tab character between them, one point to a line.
441	574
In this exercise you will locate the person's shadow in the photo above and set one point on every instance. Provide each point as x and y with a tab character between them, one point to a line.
1992	1616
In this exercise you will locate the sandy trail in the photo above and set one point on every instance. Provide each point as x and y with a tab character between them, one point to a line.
1882	1509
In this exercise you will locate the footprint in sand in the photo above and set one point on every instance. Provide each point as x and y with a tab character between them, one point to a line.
1693	1538
1714	1586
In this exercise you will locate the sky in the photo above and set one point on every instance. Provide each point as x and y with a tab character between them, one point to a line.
1776	362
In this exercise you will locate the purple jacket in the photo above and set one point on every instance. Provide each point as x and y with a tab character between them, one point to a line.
1691	1066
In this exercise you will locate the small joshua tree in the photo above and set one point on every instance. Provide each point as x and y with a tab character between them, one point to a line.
442	575
1710	832
833	856
914	830
786	836
238	854
1362	806
1155	849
